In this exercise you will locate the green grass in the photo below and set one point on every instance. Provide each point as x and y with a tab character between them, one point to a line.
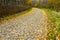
55	18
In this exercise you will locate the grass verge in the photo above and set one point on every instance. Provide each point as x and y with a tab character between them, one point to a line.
55	18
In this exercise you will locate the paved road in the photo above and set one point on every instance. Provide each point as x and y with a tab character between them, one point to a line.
30	26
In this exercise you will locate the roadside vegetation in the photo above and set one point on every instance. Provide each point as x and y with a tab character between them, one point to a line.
54	29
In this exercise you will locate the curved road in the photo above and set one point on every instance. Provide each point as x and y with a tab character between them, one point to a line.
30	26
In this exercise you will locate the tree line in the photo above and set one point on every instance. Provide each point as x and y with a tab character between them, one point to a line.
51	4
8	7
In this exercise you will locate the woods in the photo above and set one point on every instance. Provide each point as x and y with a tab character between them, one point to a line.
8	7
13	6
54	4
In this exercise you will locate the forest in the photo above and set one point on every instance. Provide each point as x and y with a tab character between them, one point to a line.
13	6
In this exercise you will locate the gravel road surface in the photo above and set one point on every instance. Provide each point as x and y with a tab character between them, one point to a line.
30	26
